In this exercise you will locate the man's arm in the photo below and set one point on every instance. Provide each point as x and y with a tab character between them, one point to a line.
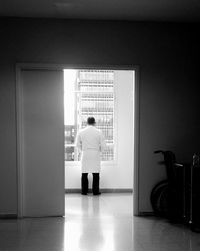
78	142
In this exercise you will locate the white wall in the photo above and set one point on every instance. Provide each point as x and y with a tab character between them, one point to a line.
120	174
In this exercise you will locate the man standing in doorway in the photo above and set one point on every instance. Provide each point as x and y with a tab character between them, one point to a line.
91	143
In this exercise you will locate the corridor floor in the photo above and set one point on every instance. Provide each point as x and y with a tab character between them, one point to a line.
96	223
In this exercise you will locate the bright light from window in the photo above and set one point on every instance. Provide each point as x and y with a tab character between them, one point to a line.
69	98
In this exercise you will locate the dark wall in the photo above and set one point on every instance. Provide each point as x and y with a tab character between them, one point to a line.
167	54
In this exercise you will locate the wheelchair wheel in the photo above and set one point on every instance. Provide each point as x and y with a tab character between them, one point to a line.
160	199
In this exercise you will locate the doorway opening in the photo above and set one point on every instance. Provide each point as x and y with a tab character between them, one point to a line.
113	100
109	96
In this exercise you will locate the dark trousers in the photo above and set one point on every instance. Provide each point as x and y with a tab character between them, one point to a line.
95	183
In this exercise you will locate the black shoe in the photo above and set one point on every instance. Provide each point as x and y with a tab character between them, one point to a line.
84	193
96	193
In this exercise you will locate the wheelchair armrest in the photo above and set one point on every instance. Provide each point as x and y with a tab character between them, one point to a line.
159	151
178	165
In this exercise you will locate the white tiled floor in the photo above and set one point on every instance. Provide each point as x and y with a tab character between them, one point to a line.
97	223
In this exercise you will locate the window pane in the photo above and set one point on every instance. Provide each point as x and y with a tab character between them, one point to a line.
92	94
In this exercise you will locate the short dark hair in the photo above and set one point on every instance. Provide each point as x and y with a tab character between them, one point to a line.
91	120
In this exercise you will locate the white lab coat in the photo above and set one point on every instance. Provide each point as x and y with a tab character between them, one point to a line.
91	143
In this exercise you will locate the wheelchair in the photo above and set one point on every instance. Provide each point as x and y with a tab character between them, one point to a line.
168	197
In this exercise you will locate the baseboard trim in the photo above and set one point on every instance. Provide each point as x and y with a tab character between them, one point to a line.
8	216
146	214
103	190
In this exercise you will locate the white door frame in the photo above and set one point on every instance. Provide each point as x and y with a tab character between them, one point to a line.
39	66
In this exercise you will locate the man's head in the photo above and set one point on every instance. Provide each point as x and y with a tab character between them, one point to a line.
91	121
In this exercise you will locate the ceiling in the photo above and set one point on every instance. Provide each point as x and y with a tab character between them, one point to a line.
134	10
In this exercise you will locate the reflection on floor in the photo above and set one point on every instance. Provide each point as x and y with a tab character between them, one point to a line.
96	223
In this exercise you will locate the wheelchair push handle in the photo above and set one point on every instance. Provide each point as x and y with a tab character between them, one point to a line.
163	162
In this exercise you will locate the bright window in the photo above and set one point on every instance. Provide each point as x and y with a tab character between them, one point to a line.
89	93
